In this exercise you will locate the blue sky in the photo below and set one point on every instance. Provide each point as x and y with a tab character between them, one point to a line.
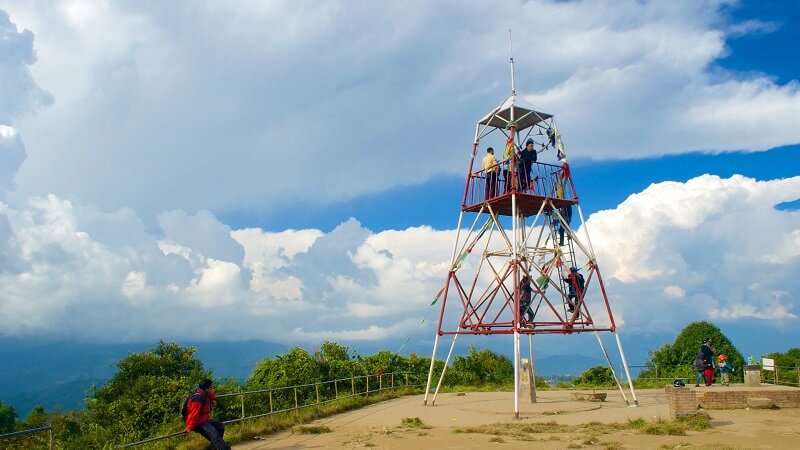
295	170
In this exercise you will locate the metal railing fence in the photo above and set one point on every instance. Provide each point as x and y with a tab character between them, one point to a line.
29	432
266	402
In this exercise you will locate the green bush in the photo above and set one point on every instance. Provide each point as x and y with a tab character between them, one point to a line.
597	376
144	397
479	368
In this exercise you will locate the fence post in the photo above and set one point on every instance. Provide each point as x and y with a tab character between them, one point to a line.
336	390
776	375
406	379
392	379
353	383
380	382
241	397
316	387
270	401
367	391
798	376
51	437
296	410
657	377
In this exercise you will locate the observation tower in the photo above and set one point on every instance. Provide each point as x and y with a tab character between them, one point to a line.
525	265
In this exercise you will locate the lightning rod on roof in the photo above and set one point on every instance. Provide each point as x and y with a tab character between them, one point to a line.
511	52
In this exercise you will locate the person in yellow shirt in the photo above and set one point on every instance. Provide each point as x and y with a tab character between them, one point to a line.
490	168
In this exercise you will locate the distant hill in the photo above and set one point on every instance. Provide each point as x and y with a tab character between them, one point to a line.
566	365
58	374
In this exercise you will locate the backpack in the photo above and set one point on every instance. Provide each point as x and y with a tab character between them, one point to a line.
185	408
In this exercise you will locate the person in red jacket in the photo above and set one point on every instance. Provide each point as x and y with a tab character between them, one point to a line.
198	417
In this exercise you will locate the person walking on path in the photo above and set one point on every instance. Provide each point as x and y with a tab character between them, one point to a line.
197	414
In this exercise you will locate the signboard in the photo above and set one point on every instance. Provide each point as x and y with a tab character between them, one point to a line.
768	364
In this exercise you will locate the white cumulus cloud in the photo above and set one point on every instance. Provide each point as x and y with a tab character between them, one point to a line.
223	106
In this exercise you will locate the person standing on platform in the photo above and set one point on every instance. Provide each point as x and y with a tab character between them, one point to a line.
527	159
700	365
708	359
489	163
725	369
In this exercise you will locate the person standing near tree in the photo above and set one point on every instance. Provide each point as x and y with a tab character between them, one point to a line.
700	365
708	359
197	414
725	369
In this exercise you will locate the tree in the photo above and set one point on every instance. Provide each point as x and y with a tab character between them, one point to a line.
791	358
596	376
145	394
480	368
675	360
8	418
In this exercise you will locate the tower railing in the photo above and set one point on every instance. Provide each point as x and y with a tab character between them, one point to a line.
544	181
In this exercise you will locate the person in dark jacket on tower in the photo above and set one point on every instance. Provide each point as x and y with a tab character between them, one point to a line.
527	159
576	284
198	415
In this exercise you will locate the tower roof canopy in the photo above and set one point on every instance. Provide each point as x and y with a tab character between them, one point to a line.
524	114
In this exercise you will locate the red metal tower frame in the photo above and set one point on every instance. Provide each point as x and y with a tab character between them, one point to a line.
526	233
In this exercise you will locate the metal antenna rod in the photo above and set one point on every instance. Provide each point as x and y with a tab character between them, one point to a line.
511	51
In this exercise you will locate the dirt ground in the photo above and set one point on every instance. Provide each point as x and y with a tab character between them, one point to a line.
379	426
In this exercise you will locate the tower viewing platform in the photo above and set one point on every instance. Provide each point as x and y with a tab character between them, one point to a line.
548	182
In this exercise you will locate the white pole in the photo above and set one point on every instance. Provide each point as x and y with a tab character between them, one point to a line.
444	369
516	373
511	51
627	371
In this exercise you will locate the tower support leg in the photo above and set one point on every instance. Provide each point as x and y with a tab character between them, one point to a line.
627	370
446	363
430	371
611	366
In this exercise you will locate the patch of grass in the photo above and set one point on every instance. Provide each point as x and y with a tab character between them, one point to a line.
590	440
369	444
677	427
574	445
688	446
637	423
317	429
413	422
664	427
518	430
497	439
611	445
696	422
